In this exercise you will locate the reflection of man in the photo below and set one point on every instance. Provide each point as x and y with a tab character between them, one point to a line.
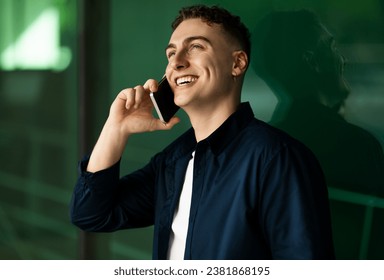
231	187
297	57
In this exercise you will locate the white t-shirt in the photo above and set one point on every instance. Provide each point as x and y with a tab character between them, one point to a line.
180	222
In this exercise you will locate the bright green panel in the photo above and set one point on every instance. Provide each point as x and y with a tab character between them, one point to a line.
38	134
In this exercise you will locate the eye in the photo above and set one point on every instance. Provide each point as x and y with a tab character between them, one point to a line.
170	54
195	47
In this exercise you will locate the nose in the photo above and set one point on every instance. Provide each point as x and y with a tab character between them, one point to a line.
179	60
343	58
343	62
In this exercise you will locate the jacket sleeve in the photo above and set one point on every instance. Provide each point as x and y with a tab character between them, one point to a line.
295	211
103	202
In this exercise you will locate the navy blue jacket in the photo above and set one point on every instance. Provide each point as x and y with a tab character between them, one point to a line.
257	194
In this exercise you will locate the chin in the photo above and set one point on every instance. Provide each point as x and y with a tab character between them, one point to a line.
181	102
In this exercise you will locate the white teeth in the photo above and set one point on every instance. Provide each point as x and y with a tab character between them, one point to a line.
185	80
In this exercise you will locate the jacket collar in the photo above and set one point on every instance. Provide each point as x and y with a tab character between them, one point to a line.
223	135
218	140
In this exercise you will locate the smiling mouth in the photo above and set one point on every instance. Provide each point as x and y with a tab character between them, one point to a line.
186	80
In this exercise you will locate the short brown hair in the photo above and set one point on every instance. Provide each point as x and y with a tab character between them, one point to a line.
231	24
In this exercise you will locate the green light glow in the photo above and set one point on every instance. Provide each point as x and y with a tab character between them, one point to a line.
38	47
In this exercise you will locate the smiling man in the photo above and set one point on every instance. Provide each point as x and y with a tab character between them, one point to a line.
231	187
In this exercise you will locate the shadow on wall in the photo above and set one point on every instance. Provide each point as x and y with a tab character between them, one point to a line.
295	54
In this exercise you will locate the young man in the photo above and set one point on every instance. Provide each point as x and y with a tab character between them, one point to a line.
231	187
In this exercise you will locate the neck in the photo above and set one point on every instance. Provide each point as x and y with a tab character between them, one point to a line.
205	122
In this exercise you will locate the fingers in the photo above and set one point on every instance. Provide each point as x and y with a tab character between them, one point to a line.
151	85
138	96
133	109
133	97
127	96
157	124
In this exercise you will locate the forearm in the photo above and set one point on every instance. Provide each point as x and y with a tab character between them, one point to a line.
101	200
93	197
108	149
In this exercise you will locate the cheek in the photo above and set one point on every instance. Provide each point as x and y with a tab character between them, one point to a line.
167	70
222	68
333	63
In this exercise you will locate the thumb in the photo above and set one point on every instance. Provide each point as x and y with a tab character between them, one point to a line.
159	125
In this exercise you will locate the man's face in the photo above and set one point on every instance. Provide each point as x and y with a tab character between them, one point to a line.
200	62
331	75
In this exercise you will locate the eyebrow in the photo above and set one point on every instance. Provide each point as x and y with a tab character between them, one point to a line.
188	40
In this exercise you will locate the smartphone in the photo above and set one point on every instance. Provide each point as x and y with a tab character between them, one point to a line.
162	99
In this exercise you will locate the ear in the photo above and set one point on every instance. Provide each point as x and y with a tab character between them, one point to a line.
310	61
240	63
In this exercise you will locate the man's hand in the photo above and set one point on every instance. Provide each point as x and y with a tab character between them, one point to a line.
130	113
132	110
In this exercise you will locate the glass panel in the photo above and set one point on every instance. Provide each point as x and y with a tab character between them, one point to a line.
37	128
